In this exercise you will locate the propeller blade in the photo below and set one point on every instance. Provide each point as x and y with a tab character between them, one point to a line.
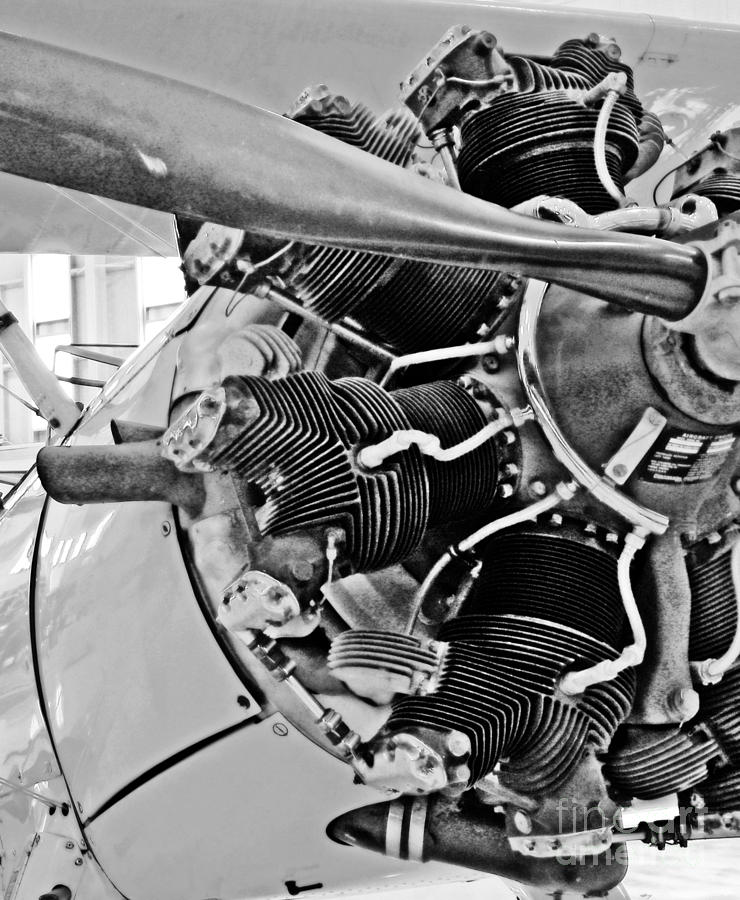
95	126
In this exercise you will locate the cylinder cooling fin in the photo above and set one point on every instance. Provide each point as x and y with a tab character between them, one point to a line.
499	763
546	602
294	443
540	138
525	145
510	573
713	172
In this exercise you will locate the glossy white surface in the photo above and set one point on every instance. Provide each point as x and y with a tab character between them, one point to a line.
26	755
242	817
131	673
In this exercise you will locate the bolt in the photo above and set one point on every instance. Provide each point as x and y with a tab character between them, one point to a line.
620	470
555	845
243	701
511	470
508	284
537	488
302	570
458	743
684	702
522	822
166	528
556	519
530	845
490	363
505	491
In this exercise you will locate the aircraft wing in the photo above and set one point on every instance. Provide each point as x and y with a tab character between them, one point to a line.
42	218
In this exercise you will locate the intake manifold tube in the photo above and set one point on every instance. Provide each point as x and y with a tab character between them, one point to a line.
576	682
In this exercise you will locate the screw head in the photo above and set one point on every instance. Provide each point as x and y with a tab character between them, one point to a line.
490	362
537	488
620	470
302	570
458	743
685	702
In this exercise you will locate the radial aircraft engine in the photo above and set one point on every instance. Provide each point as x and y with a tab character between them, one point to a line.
410	548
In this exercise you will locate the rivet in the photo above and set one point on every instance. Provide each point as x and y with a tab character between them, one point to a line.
684	702
490	362
166	528
302	570
458	743
537	488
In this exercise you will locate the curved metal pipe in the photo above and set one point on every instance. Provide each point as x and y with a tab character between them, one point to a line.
96	126
531	377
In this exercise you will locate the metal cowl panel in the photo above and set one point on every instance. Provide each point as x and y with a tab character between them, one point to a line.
131	673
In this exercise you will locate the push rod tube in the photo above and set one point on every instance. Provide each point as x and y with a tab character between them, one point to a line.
79	122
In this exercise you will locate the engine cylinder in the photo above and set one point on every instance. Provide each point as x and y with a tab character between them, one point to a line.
525	145
546	602
296	441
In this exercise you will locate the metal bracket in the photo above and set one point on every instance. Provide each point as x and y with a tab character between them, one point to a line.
186	438
633	450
